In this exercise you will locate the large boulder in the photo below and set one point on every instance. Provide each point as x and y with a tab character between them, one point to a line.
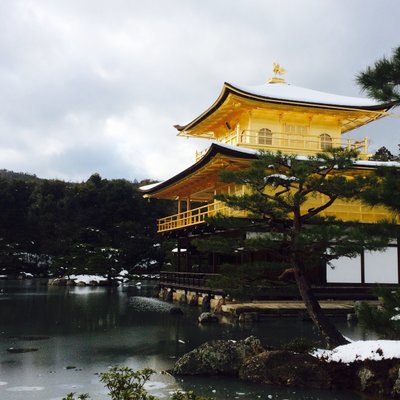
248	360
286	368
396	385
218	357
378	377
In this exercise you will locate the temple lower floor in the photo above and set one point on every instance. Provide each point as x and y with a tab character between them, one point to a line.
368	268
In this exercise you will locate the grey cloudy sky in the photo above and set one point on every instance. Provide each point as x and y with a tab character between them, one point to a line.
96	86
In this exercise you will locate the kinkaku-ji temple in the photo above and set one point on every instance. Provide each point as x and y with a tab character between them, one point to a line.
275	116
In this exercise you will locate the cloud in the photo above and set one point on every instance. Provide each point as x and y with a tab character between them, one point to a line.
86	86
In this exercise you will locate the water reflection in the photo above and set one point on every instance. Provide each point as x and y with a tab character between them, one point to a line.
85	330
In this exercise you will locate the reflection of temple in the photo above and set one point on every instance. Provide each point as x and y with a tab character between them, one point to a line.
274	116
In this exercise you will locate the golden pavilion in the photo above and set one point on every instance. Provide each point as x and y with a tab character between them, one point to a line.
274	116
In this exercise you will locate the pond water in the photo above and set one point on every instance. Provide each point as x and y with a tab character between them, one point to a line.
78	332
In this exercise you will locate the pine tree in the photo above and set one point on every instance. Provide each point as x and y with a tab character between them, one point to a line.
385	319
382	80
383	154
280	186
385	190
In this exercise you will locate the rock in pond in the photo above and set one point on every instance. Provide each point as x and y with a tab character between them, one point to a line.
218	357
249	361
21	349
207	318
33	338
286	368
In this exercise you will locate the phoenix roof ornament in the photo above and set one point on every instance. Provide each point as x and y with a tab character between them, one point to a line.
277	69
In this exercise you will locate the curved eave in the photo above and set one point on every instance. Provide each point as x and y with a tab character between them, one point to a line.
229	88
217	151
214	150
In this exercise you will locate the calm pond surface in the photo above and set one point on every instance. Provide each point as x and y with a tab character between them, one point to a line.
79	332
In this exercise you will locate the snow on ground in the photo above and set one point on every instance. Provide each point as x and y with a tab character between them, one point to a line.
361	350
87	278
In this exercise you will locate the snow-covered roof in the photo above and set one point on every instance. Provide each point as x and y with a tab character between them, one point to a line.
150	186
361	163
285	91
235	151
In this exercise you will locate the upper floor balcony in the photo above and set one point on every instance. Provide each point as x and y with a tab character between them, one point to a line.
341	209
196	216
290	143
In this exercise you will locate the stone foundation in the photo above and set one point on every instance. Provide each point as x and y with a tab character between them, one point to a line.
192	298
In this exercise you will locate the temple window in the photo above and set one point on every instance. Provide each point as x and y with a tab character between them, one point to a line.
325	141
265	136
291	129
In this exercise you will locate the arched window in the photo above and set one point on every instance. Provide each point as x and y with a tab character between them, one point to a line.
325	141
265	136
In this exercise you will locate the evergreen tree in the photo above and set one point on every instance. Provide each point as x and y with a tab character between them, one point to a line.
382	80
385	319
71	222
281	223
385	189
383	154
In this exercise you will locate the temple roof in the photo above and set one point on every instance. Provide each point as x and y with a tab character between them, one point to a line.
285	91
204	172
286	94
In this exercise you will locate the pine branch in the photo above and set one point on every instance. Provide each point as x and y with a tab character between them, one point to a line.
318	210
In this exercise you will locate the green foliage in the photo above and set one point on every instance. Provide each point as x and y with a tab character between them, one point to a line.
188	396
387	182
279	187
382	80
72	222
300	345
246	281
71	396
291	181
123	383
384	319
383	154
281	226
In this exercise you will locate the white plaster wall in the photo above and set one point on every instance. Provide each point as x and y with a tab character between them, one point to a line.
345	270
381	266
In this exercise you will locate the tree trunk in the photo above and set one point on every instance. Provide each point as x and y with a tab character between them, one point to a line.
325	326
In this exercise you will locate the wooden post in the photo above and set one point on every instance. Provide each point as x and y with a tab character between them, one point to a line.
187	245
179	205
179	256
213	262
362	267
398	260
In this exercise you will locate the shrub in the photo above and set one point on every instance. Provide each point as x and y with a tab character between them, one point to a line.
384	319
123	383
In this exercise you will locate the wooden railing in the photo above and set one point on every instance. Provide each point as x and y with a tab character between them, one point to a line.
195	216
187	280
289	142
